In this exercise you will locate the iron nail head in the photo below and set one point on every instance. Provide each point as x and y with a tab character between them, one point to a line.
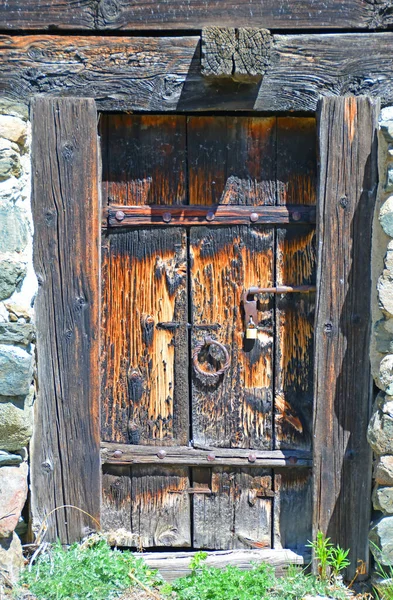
210	216
254	217
161	454
119	216
211	457
296	215
252	458
117	454
167	217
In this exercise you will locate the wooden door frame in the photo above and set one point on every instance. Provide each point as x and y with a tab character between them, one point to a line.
68	339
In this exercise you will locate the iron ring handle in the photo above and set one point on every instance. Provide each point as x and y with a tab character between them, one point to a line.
208	341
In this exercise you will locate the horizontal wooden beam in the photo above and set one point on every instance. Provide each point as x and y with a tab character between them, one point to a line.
115	216
172	565
164	73
93	15
125	454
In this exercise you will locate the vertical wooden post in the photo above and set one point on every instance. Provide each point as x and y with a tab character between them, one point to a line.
66	211
347	192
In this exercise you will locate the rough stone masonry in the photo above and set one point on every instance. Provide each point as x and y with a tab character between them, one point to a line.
17	369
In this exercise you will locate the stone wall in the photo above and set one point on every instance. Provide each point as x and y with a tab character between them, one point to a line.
17	291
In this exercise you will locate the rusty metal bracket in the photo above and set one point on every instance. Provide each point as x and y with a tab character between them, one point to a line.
250	302
194	490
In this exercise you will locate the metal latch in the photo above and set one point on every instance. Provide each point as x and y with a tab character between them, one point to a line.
250	303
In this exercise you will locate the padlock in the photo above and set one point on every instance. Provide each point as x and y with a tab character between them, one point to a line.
251	330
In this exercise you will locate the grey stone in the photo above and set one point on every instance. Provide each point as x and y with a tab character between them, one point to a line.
381	540
16	368
385	376
14	229
383	470
13	494
380	432
389	179
383	499
12	274
386	215
386	113
385	293
13	129
387	129
11	557
16	421
17	333
383	337
8	459
9	160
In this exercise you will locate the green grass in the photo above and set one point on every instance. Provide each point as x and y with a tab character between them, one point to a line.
92	572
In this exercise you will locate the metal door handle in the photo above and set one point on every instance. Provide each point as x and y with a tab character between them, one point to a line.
208	341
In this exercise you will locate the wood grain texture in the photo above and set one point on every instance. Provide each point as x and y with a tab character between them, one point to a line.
236	410
116	505
195	14
177	564
163	73
125	454
293	509
234	516
347	192
294	339
144	159
216	214
237	53
231	160
65	460
144	367
160	507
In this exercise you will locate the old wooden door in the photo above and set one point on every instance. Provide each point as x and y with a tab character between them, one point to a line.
206	435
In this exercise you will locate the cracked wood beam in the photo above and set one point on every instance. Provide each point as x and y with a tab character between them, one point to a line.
236	53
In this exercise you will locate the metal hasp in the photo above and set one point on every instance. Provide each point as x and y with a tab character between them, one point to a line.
250	302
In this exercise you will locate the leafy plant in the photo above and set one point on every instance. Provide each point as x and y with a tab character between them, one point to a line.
331	559
89	572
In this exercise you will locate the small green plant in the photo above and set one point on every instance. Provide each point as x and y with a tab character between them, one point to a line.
85	572
331	559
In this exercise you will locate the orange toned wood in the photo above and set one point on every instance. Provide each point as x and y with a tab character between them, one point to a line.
163	216
144	283
295	265
296	160
232	160
236	411
238	514
144	161
65	451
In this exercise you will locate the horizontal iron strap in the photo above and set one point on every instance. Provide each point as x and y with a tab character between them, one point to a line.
123	454
131	216
283	289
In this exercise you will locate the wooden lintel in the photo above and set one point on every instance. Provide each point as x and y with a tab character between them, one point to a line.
126	454
158	74
131	15
127	216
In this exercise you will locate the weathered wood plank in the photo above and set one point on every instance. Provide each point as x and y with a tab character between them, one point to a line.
160	506
116	505
236	409
231	160
195	14
118	216
144	159
237	514
294	338
173	565
123	454
347	191
144	282
65	448
293	509
161	74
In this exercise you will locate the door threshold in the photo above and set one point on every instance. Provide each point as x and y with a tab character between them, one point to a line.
172	565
